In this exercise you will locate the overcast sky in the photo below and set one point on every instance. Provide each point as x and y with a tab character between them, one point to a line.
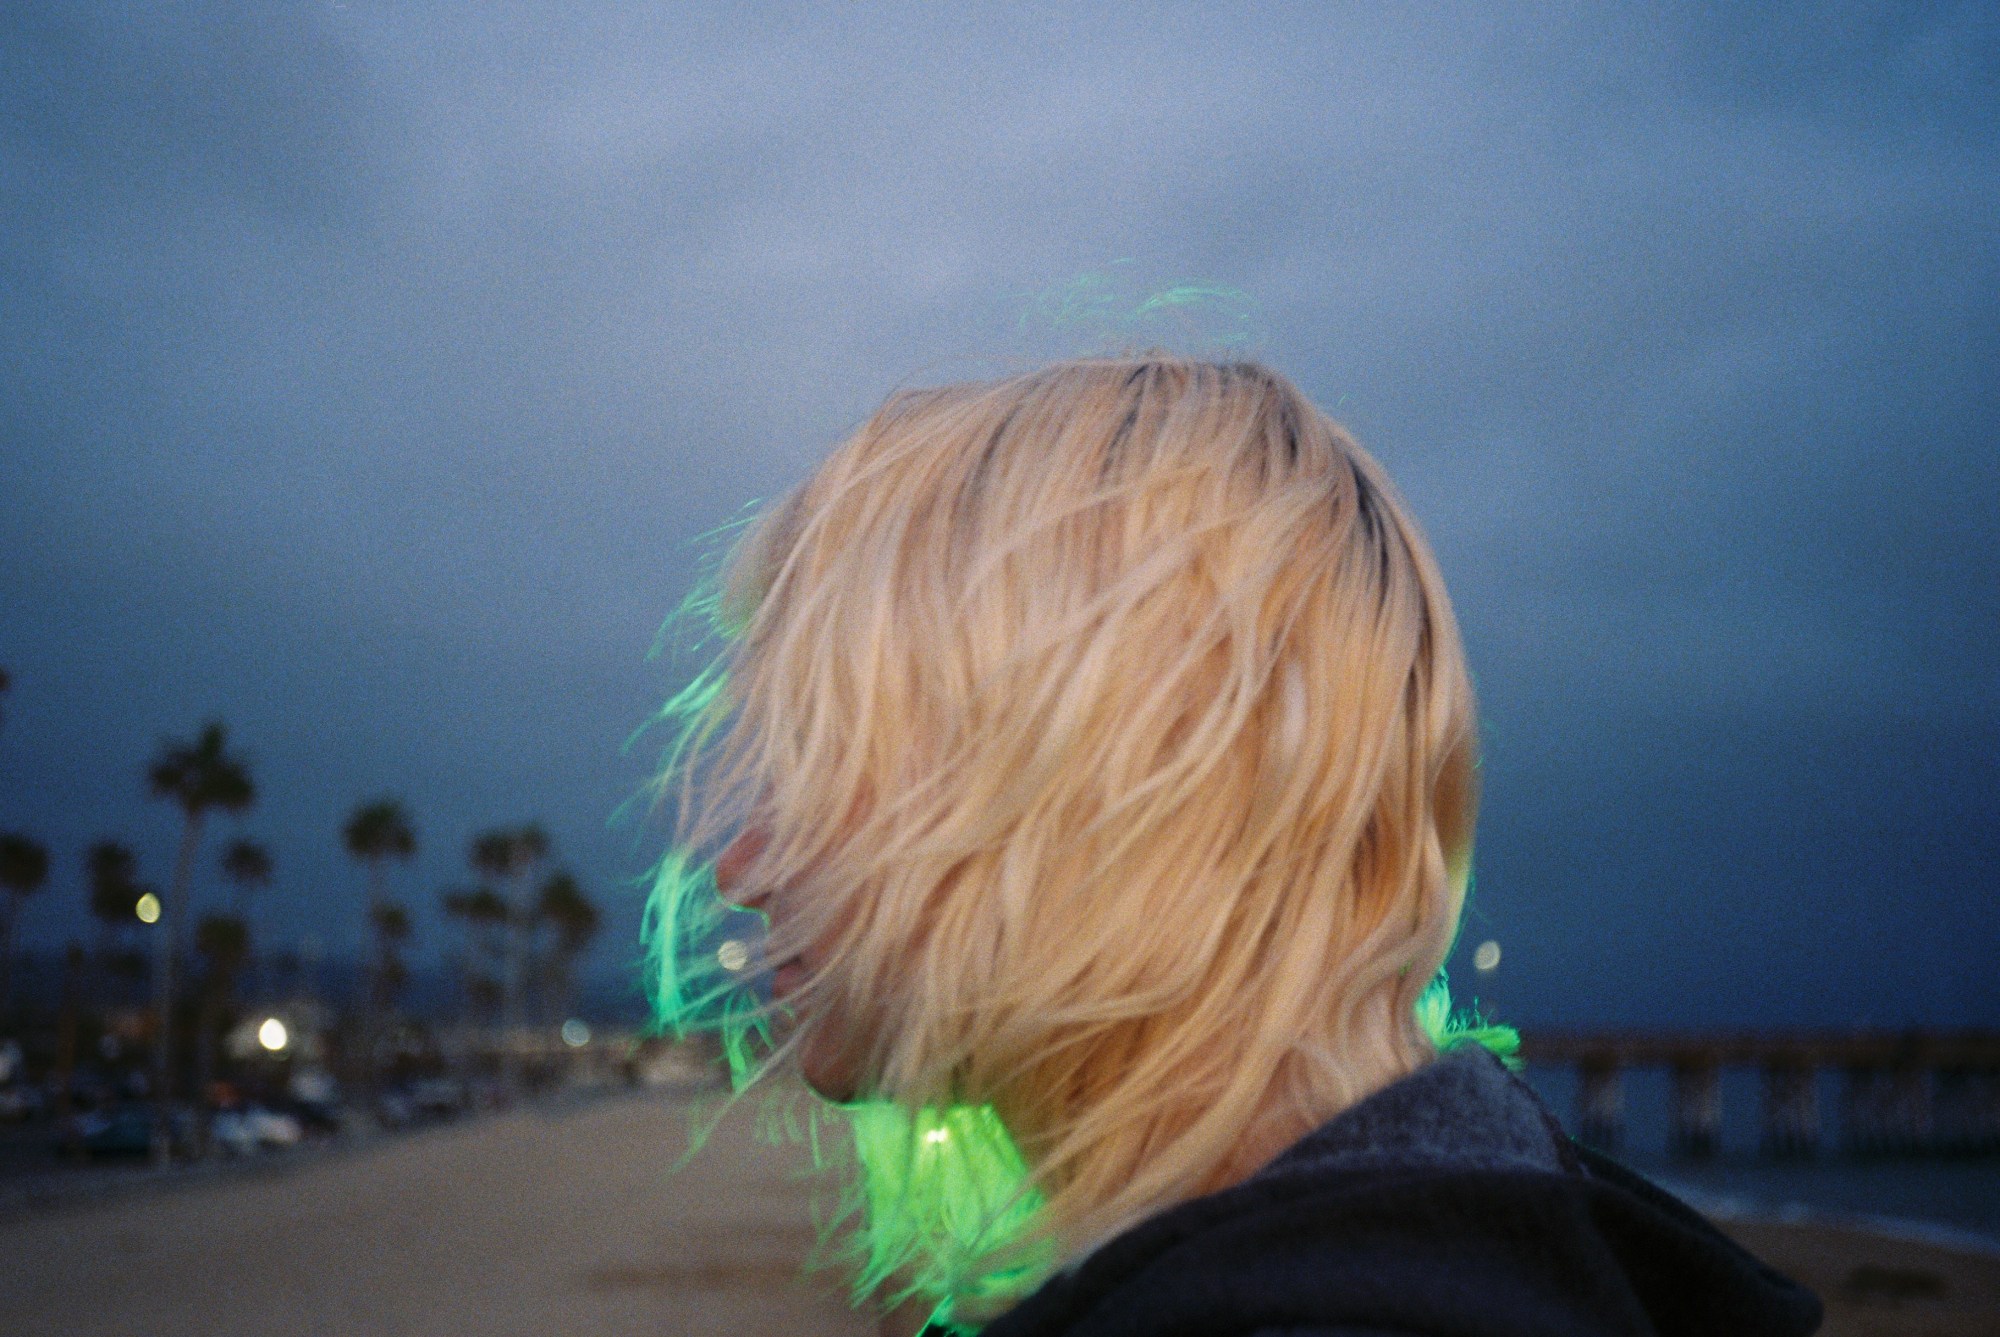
369	370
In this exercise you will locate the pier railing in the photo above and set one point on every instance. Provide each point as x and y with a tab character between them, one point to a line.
1901	1093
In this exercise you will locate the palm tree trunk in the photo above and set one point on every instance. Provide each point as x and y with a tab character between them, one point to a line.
163	986
8	910
98	991
511	1011
208	1017
371	1006
562	982
239	905
66	1026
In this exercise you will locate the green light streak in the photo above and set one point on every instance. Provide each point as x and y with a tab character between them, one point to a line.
1451	1030
944	1192
1102	307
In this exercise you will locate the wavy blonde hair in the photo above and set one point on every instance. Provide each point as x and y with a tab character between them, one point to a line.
1117	750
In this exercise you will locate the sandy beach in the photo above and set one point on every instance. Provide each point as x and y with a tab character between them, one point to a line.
545	1221
1882	1287
569	1220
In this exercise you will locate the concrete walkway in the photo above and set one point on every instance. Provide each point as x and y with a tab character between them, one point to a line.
554	1222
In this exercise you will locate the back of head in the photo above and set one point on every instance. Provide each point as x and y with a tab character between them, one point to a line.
1114	737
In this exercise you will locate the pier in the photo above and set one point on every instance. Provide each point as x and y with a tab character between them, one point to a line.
1902	1093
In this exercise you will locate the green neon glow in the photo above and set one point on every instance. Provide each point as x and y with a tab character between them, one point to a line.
690	989
1451	1030
942	1190
1448	1029
1104	307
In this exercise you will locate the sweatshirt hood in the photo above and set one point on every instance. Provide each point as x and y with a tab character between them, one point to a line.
1447	1203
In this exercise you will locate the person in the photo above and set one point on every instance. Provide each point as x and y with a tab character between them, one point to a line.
1099	745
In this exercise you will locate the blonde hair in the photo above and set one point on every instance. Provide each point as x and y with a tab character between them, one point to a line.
1116	746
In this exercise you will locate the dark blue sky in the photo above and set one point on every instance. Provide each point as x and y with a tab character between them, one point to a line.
368	370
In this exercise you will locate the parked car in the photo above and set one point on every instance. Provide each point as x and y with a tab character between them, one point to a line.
21	1100
314	1099
242	1132
394	1108
18	1098
438	1097
127	1130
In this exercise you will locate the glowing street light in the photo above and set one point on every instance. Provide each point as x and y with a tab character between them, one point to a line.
148	909
732	955
575	1033
1486	959
273	1035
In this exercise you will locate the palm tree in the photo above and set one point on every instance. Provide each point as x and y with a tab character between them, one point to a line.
376	833
566	910
196	776
74	966
247	865
391	923
24	866
510	857
224	942
113	875
484	916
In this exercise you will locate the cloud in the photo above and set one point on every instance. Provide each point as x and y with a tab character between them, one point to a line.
371	369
